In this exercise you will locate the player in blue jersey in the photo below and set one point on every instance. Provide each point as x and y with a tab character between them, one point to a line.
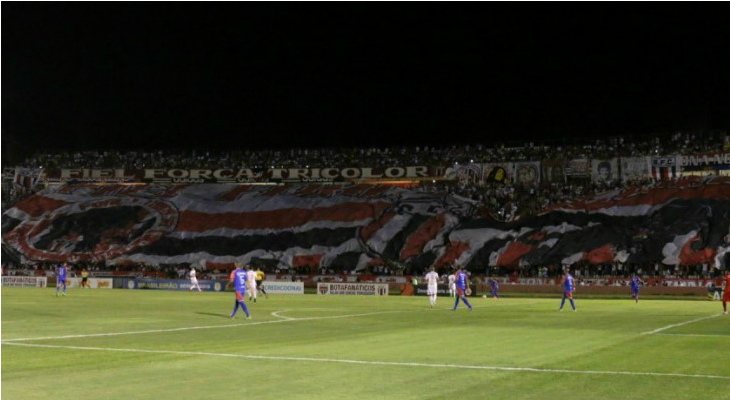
462	287
568	287
495	288
238	280
636	282
61	278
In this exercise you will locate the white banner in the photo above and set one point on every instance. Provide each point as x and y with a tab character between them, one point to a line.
94	283
527	173
665	167
25	281
635	168
283	287
353	289
604	171
466	173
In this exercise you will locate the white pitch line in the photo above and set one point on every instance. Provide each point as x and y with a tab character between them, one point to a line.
190	328
276	314
691	334
664	328
380	363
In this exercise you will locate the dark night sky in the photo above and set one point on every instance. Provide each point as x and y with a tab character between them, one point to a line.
211	75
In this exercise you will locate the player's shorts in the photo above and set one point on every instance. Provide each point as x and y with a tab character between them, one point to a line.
634	290
61	280
461	292
84	280
568	294
194	281
239	296
432	290
452	287
259	283
726	295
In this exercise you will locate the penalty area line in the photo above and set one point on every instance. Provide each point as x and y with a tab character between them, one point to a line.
377	363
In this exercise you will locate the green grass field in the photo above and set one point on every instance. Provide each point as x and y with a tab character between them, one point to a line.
123	344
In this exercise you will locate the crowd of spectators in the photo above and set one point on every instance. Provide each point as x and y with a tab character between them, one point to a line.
382	156
505	201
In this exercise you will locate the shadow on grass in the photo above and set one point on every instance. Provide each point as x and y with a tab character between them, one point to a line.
213	314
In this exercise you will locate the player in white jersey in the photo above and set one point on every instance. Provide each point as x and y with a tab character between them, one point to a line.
251	280
194	280
432	279
452	285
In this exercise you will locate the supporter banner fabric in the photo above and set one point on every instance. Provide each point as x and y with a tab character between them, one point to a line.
471	173
356	226
26	177
497	172
578	168
527	173
635	168
553	171
241	175
604	171
708	161
665	167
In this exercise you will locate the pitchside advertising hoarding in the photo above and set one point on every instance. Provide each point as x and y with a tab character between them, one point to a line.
441	290
277	287
25	281
173	284
352	289
94	283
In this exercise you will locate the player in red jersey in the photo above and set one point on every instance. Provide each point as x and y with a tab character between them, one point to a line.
725	292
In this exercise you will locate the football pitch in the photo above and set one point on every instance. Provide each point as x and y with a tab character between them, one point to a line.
123	344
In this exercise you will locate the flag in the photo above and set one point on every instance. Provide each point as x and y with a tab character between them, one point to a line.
350	227
26	177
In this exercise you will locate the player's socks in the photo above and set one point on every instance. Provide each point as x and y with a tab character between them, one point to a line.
572	304
456	304
245	309
467	303
562	303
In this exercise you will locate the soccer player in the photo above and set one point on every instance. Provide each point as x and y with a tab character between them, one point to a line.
452	285
636	282
251	279
85	279
260	281
725	292
61	278
462	286
568	287
238	279
495	287
432	279
194	279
